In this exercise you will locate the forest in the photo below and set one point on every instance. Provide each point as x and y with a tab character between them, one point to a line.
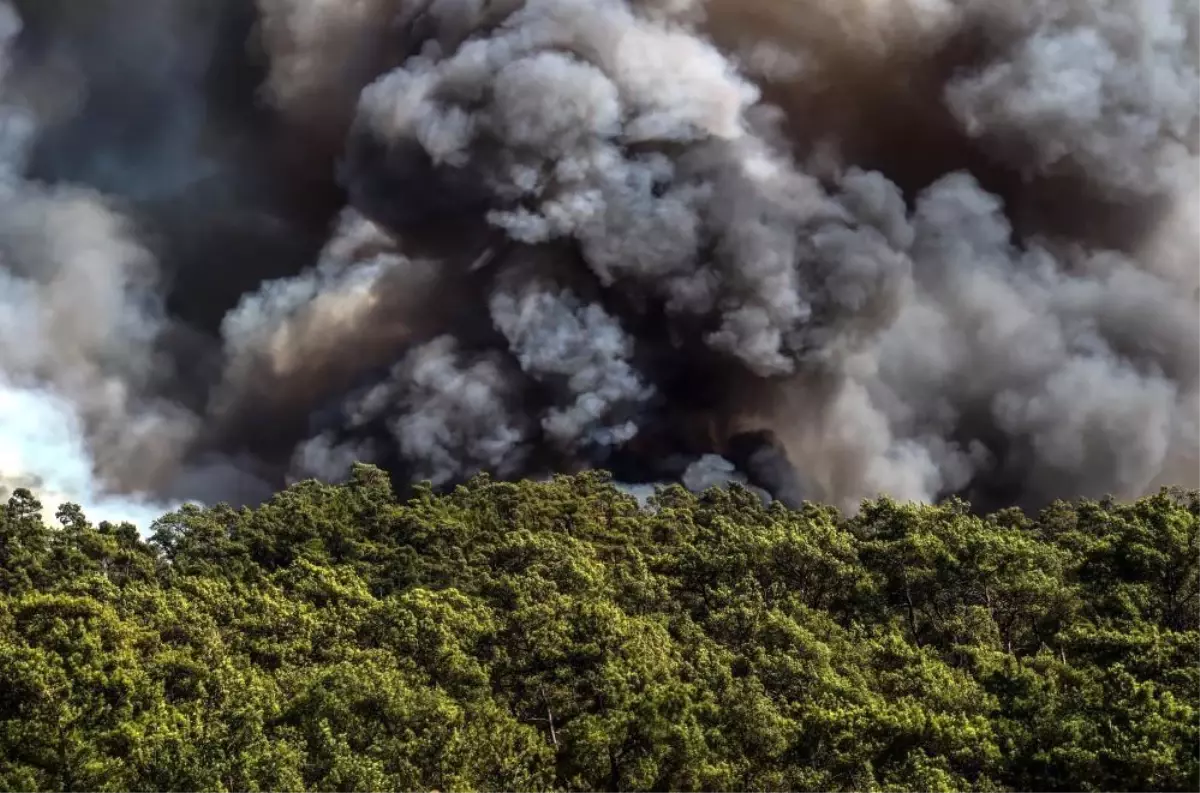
559	635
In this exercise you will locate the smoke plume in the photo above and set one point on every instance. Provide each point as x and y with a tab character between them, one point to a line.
828	250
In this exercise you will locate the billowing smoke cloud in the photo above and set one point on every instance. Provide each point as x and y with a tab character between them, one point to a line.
828	250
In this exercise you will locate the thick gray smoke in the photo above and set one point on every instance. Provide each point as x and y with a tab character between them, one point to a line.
826	249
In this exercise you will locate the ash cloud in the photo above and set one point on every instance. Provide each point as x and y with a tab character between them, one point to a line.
828	250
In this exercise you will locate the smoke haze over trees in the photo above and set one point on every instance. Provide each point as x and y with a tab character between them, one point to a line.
829	248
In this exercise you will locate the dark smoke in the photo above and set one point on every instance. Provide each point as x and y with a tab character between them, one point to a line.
825	249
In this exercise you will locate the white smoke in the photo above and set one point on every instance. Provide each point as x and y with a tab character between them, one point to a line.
42	450
933	247
451	417
554	337
79	315
932	316
1107	88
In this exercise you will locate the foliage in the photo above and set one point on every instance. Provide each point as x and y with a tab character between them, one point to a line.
555	635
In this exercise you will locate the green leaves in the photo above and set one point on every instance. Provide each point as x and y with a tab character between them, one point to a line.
553	635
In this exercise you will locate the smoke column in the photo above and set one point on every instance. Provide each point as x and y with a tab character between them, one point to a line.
830	250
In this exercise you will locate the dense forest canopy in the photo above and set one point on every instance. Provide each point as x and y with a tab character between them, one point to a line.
558	635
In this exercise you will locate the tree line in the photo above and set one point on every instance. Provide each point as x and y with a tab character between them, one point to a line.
559	636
